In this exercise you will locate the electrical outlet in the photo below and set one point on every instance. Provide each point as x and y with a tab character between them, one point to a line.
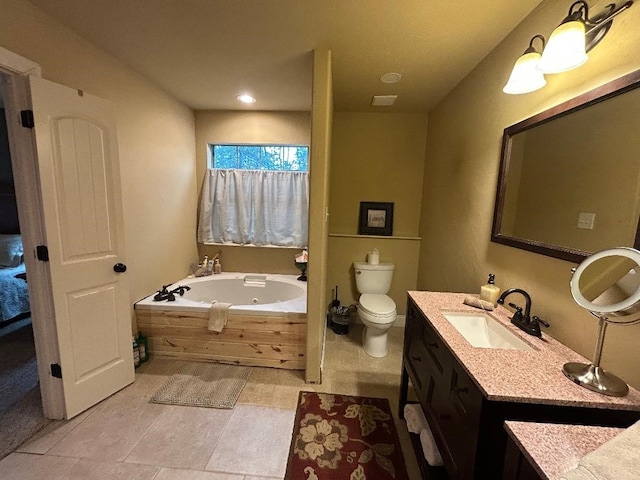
586	220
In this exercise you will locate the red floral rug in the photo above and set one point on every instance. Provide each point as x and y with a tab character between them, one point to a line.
339	437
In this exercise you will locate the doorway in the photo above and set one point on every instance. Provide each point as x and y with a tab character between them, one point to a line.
21	413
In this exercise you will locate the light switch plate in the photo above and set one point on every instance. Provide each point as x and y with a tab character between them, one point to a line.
586	220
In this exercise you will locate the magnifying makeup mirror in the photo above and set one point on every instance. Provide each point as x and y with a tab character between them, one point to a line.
608	285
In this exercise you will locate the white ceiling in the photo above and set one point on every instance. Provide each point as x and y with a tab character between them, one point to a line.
205	52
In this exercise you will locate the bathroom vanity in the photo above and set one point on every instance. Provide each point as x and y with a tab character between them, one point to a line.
467	393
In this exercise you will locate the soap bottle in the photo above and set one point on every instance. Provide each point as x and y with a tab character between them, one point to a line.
217	268
490	292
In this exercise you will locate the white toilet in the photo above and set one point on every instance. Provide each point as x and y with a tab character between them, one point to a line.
376	310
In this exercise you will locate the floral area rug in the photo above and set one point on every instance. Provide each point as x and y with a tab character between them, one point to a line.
339	437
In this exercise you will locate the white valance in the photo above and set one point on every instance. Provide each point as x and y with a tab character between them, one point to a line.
254	207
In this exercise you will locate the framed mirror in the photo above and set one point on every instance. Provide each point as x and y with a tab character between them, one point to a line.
569	181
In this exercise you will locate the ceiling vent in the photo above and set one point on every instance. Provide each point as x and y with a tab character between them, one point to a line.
383	100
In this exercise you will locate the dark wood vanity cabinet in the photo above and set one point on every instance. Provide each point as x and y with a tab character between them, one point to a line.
449	398
468	427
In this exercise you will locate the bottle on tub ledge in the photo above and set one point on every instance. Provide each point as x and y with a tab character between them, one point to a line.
217	267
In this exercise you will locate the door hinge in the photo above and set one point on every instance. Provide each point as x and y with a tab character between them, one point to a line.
56	370
26	118
42	253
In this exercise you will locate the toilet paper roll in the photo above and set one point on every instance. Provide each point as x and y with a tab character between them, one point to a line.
373	257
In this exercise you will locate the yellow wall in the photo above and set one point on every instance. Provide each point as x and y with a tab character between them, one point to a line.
321	128
375	157
463	153
156	140
292	128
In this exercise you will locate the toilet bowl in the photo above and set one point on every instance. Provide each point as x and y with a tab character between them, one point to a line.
377	313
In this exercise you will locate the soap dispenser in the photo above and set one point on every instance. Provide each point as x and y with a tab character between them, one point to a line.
490	292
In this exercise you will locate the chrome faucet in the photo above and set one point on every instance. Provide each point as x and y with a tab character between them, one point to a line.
523	320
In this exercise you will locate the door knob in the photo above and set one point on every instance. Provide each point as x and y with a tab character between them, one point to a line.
120	268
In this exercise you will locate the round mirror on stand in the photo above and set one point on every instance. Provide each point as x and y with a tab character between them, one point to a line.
608	285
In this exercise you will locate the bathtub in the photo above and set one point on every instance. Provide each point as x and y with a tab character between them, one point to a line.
267	321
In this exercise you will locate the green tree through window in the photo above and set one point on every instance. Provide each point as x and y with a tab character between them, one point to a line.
294	158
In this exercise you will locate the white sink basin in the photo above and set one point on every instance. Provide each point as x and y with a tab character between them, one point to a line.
482	331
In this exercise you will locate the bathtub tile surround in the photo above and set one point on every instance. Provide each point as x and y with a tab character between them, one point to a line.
166	438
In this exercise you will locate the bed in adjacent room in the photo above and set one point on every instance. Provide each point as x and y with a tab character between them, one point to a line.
14	295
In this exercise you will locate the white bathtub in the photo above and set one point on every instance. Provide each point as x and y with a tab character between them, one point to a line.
247	292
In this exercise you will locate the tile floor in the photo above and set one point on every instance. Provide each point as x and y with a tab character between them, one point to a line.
126	437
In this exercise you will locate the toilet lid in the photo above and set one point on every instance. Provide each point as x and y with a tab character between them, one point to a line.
377	304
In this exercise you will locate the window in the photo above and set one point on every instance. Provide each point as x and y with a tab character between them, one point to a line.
290	158
255	195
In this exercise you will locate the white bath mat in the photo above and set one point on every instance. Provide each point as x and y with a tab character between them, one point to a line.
212	385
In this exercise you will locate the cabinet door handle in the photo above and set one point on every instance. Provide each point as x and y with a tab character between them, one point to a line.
432	344
444	416
461	390
416	359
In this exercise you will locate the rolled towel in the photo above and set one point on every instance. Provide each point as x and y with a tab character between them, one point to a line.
476	302
429	448
414	416
218	316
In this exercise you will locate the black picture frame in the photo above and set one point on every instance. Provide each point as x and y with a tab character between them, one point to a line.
376	218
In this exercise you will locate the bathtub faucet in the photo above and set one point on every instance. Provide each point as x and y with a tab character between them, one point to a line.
170	296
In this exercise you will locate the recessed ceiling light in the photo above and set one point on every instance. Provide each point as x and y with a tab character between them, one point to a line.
391	77
383	100
246	98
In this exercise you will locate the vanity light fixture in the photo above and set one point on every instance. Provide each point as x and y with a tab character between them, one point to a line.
567	47
526	76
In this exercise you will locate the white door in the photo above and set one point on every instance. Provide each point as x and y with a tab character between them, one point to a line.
78	165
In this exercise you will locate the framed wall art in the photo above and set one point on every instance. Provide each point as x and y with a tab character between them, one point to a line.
376	218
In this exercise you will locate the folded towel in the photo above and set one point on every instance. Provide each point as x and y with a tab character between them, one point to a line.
218	316
614	460
414	416
429	448
476	302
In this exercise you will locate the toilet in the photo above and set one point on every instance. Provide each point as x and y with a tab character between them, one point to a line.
376	310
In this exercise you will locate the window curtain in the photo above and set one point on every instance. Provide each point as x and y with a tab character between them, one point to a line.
254	207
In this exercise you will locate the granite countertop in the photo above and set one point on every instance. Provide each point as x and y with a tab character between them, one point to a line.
555	449
514	375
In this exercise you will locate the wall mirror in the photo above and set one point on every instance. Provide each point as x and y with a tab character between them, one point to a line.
569	181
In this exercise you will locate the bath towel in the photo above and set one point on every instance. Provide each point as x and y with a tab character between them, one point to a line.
429	448
614	460
218	316
413	415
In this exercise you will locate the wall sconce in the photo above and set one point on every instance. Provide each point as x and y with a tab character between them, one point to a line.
526	75
566	49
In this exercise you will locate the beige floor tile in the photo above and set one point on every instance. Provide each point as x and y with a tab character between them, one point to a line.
366	384
181	437
25	466
177	474
52	434
112	431
91	470
255	442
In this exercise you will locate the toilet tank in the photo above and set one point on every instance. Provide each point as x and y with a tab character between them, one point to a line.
373	278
